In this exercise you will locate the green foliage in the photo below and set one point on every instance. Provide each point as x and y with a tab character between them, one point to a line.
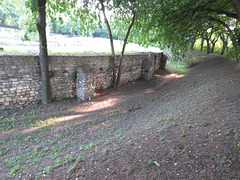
11	12
169	25
150	162
175	25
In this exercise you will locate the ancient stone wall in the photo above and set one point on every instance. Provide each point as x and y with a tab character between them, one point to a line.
20	82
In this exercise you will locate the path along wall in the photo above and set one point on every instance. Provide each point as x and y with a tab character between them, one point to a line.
20	82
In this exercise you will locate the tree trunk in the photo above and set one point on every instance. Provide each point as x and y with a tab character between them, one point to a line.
208	46
236	6
123	49
202	45
192	44
223	49
43	55
111	42
213	46
224	41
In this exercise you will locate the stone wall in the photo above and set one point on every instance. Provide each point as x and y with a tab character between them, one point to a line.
20	75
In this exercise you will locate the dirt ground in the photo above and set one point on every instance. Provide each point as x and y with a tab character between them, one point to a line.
177	126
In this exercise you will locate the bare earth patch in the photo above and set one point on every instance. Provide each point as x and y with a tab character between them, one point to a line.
177	126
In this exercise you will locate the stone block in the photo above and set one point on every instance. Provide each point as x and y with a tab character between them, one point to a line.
8	99
85	85
147	70
6	103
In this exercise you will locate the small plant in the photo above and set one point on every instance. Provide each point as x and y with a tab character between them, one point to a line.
150	162
237	144
36	149
60	136
37	175
130	143
172	124
64	99
211	157
160	119
116	148
222	162
71	168
81	148
90	146
92	159
58	160
48	169
67	158
205	123
238	93
106	150
163	131
129	170
14	170
183	133
80	158
118	133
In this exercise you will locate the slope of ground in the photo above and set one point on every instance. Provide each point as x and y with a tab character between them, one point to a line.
177	126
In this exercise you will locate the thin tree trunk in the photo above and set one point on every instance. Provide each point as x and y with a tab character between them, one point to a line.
43	55
202	45
223	49
237	58
213	46
224	41
123	49
192	44
208	46
111	42
213	41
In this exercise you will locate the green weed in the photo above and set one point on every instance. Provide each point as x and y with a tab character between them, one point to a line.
48	169
150	162
71	168
106	150
130	143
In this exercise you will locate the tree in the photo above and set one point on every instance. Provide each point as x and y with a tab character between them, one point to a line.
8	14
122	11
236	5
43	54
224	39
111	42
175	24
192	44
123	49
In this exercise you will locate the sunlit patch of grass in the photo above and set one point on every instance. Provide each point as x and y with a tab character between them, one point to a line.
15	50
72	52
182	68
109	52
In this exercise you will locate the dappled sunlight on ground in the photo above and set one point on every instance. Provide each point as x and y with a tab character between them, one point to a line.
65	118
149	91
173	75
55	121
95	106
